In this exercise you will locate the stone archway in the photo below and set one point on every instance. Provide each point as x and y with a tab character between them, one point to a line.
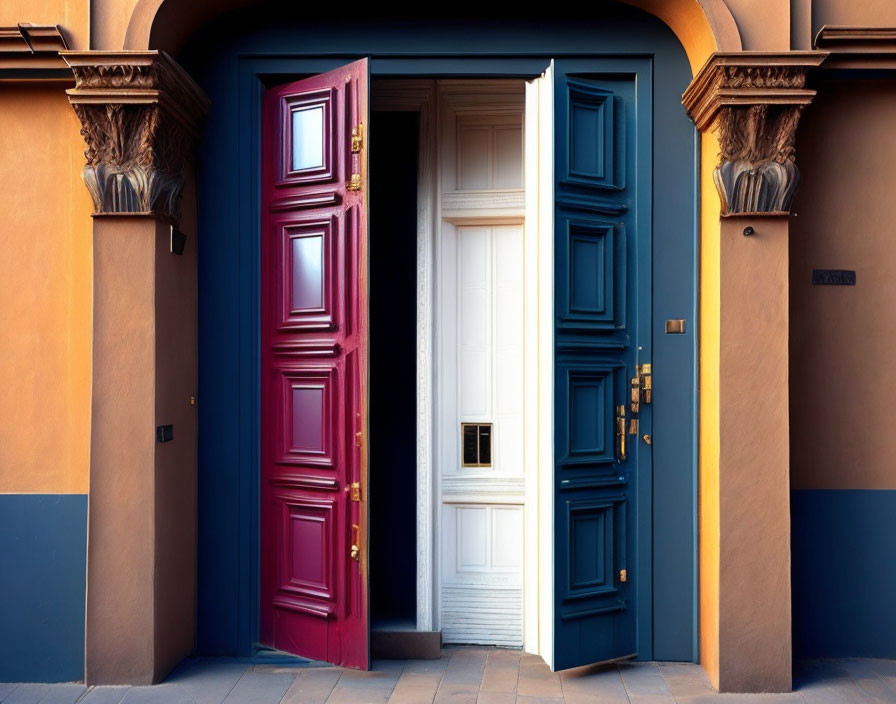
702	26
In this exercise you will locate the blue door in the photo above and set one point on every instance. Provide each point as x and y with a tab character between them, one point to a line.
602	240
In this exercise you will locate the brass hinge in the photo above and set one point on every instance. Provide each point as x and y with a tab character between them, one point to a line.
357	143
354	491
623	575
356	543
357	138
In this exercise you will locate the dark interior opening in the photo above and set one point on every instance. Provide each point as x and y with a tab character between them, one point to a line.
393	447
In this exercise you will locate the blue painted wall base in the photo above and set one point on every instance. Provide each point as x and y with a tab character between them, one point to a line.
43	566
844	573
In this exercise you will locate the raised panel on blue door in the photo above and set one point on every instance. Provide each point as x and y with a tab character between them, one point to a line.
596	537
589	529
592	282
593	137
590	419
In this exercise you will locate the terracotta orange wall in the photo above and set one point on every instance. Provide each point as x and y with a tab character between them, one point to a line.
45	295
764	24
141	575
175	463
843	337
754	463
121	513
110	22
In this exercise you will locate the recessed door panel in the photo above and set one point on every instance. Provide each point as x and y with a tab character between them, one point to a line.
314	368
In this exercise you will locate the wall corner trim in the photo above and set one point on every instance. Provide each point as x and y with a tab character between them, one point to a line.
855	47
30	54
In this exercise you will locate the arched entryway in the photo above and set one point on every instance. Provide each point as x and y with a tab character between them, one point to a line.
256	51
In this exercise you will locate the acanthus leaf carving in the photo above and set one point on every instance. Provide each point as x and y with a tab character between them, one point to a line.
139	117
753	102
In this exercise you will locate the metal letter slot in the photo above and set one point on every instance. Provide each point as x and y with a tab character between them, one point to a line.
675	327
476	444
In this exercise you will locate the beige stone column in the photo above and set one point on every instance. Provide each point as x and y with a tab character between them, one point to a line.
140	114
752	101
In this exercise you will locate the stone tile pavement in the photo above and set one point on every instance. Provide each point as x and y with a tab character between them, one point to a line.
465	675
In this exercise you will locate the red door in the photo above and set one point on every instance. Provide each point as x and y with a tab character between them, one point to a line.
314	368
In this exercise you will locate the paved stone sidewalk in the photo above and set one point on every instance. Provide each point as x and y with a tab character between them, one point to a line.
465	675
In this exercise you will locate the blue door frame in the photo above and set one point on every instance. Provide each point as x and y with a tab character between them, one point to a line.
229	216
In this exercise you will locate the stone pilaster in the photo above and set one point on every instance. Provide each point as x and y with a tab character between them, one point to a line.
753	101
140	114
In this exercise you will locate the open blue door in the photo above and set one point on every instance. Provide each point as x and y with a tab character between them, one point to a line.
602	247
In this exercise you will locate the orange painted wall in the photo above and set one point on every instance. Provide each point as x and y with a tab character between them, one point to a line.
45	295
72	15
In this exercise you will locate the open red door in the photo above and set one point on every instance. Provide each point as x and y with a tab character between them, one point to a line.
314	367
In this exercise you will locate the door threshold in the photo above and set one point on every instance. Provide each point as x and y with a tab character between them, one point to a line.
403	642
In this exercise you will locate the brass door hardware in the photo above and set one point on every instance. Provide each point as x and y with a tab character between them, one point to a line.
354	491
357	138
633	426
623	575
645	377
642	386
647	439
675	327
356	543
620	433
357	143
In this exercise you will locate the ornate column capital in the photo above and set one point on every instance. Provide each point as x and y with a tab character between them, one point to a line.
754	101
140	115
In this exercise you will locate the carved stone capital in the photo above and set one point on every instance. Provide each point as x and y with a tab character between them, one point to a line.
753	101
140	115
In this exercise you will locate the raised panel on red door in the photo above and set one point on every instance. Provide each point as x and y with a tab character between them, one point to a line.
314	368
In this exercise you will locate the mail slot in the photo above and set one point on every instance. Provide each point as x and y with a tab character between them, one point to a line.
476	444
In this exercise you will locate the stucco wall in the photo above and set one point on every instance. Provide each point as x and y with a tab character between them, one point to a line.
45	295
843	337
842	376
72	15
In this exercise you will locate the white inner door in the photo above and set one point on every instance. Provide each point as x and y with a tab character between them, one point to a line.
480	416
